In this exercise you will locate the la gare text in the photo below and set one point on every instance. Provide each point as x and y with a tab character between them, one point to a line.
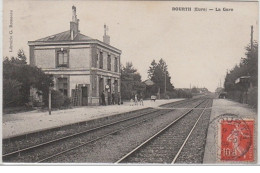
201	9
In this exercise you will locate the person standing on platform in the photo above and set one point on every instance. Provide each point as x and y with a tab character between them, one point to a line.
118	97
109	99
136	100
141	99
113	97
131	102
103	98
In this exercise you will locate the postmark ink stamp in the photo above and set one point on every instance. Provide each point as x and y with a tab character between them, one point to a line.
234	137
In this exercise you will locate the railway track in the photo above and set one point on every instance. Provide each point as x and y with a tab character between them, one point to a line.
49	149
179	103
31	153
25	139
18	143
167	145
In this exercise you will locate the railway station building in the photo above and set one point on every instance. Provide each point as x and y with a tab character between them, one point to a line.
82	67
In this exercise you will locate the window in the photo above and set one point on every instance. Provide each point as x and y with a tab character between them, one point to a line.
94	60
109	62
116	86
116	64
62	84
101	60
62	58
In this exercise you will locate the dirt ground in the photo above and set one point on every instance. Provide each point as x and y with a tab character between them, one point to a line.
220	107
21	123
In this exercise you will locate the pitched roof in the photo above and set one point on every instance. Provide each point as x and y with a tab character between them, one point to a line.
65	36
149	82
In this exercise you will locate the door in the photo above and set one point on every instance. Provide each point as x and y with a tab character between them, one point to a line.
109	97
101	89
84	96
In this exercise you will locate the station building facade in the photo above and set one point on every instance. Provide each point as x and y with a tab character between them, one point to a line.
82	67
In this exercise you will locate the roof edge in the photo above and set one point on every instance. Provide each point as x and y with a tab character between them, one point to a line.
92	41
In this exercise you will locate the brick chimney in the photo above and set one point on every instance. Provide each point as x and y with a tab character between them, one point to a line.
106	38
74	24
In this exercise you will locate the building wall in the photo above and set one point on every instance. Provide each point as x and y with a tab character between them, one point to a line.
32	59
80	63
112	62
79	58
45	58
78	79
105	55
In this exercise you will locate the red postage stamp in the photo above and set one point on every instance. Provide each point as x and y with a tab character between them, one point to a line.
237	140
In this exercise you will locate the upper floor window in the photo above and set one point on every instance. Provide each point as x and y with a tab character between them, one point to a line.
62	58
101	60
116	64
109	62
95	60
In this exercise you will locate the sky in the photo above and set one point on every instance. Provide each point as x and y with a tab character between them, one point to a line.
198	47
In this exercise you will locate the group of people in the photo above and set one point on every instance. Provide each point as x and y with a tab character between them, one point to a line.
113	98
136	100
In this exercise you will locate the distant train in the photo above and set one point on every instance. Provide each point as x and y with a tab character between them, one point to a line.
222	95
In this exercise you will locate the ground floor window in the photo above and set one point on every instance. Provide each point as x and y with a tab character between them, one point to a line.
62	58
62	84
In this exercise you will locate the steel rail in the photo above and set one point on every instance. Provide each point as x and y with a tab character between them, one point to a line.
72	135
156	134
185	141
185	101
103	136
93	140
183	108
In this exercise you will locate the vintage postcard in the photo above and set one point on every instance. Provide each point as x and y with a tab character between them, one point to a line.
130	82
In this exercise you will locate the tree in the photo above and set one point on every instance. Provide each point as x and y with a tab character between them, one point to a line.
157	72
183	93
151	69
21	56
17	71
11	92
248	66
131	83
194	90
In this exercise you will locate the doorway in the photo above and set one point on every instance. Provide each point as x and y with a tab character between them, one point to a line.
84	96
101	89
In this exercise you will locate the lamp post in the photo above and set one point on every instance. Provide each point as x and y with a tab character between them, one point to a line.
50	100
165	83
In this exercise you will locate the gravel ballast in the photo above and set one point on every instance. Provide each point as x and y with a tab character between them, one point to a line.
111	148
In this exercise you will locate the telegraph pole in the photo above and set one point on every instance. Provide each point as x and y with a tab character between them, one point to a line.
252	31
165	85
49	100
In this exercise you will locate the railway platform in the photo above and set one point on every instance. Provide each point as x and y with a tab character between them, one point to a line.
27	122
220	107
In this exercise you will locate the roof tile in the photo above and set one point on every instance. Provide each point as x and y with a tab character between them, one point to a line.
64	36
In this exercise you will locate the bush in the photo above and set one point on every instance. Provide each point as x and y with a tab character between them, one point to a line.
58	100
11	93
67	102
171	94
235	95
183	93
252	97
16	69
